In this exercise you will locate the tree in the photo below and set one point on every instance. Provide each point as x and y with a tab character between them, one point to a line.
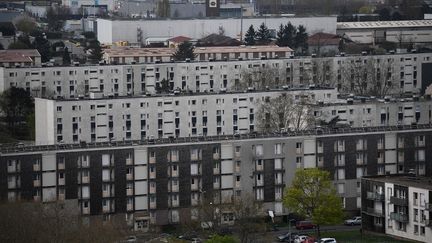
259	78
25	24
250	36
313	196
284	113
263	34
367	77
1	47
184	50
43	46
52	222
89	35
163	8
163	86
384	14
221	30
56	17
66	56
301	39
290	33
95	51
18	45
16	104
280	37
322	75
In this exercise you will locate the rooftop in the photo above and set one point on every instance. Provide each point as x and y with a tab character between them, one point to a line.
404	180
384	24
323	39
22	55
179	39
165	51
21	148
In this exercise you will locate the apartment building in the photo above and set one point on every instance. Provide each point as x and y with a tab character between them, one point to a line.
162	181
405	73
137	118
398	205
130	55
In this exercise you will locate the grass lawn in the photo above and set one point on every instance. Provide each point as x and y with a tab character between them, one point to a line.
355	236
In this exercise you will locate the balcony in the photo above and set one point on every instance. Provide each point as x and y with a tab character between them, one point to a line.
152	160
400	217
174	188
36	167
174	173
375	196
60	166
128	161
106	209
61	181
106	194
86	211
153	205
399	201
152	175
374	212
36	198
85	179
152	189
36	183
237	184
260	167
129	192
194	202
61	197
194	187
129	177
216	185
216	156
237	169
129	207
216	171
237	155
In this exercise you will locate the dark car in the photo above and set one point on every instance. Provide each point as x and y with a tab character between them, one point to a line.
301	225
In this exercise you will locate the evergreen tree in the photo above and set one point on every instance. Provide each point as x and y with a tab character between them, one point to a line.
290	33
43	46
280	40
95	51
263	34
301	39
66	56
250	36
184	50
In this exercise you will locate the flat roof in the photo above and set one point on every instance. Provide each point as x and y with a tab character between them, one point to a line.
404	180
321	132
384	24
165	51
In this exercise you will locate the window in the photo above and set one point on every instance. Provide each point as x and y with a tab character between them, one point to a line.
259	150
278	148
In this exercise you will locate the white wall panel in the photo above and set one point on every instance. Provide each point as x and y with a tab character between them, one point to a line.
140	172
141	203
49	179
141	187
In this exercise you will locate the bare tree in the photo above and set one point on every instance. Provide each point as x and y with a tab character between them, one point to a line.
367	77
259	78
285	112
322	74
52	222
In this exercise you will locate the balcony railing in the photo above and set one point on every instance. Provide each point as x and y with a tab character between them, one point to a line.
400	217
399	201
374	212
375	196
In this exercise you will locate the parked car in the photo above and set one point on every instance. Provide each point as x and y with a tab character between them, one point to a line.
287	237
301	238
328	240
354	221
301	225
311	240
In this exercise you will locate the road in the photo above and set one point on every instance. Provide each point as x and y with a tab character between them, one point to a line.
338	228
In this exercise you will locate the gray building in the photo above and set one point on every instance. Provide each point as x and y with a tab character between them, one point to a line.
398	205
163	181
139	118
399	74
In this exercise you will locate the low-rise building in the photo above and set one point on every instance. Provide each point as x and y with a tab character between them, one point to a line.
399	205
20	58
128	55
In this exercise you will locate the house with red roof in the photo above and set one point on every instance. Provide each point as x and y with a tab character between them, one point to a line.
324	43
175	41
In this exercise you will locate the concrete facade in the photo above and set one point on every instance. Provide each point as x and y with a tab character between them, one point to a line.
409	74
131	179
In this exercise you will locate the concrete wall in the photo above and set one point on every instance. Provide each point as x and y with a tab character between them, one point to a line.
45	129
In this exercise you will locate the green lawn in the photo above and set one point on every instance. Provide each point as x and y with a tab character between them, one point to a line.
356	237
